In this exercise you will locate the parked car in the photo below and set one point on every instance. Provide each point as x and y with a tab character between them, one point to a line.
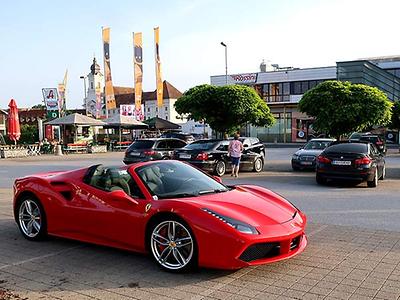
212	156
187	137
376	140
305	157
180	216
351	161
253	144
355	136
152	149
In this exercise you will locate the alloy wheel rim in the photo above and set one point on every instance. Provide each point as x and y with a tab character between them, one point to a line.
30	219
258	164
221	168
172	245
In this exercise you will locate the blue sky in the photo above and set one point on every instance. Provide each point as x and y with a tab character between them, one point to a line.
40	39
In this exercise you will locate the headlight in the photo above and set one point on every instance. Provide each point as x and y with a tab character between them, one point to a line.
295	156
238	225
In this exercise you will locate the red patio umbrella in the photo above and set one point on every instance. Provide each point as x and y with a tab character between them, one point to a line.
13	129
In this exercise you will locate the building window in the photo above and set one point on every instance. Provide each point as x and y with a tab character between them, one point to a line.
166	117
166	108
91	85
148	109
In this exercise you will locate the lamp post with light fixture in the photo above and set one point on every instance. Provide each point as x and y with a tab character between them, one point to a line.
226	62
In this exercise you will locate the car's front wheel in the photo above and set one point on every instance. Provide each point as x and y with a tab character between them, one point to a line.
31	218
258	165
173	245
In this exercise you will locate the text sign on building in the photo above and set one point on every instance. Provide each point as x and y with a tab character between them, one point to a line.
50	97
244	78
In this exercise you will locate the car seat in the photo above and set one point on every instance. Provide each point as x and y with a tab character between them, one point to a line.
118	182
152	178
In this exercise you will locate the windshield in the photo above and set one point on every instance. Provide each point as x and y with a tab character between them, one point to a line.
317	145
172	179
141	144
200	145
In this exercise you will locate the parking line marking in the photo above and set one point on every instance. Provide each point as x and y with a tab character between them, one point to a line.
38	257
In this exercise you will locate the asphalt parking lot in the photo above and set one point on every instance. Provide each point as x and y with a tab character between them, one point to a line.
353	252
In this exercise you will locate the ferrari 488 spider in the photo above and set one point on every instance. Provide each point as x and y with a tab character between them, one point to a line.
182	216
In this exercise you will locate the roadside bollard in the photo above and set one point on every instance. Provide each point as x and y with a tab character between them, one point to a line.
58	150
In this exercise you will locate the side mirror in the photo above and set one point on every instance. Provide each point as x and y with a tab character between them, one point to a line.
120	195
245	145
217	178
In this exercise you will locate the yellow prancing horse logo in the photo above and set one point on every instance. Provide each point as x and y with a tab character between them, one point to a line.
148	206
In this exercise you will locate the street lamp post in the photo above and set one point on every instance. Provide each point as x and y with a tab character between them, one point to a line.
226	62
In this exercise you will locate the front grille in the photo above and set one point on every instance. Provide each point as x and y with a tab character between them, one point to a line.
259	251
307	157
295	243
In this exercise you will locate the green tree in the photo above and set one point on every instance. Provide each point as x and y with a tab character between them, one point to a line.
340	108
29	134
225	108
395	122
42	106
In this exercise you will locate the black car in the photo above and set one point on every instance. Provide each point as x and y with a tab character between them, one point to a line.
212	156
376	140
188	138
253	144
351	161
152	149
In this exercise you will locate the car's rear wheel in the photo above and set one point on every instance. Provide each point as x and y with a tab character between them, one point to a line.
258	165
220	168
383	176
374	181
173	245
320	180
31	219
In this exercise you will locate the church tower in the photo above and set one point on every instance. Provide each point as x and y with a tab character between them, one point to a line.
93	101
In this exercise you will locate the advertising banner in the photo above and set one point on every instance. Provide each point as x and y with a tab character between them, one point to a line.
130	110
159	82
109	89
62	94
50	98
138	67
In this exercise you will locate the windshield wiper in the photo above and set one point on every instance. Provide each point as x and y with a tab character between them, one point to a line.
213	191
178	195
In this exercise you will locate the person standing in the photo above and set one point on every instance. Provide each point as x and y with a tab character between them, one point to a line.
235	150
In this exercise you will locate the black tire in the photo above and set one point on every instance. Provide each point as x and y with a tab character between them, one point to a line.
295	168
170	262
320	180
383	175
220	168
374	182
258	165
38	217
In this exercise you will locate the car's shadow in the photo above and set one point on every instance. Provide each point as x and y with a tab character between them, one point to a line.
57	262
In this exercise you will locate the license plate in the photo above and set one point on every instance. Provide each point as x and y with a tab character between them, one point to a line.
341	162
306	163
185	156
135	153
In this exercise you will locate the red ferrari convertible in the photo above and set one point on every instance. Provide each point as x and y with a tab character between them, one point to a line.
182	216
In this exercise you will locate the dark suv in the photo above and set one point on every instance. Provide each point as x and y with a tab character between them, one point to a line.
376	140
152	149
212	156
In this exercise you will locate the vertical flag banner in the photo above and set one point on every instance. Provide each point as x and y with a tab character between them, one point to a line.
159	82
62	94
138	67
98	102
109	89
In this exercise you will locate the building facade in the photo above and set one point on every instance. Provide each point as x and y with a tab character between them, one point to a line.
282	89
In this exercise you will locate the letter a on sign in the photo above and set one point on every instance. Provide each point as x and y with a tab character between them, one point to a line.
50	95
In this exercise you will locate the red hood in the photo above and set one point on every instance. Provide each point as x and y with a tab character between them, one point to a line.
250	204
